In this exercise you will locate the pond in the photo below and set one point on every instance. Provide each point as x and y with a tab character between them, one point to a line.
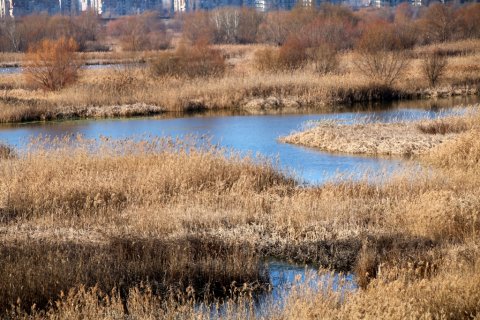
255	134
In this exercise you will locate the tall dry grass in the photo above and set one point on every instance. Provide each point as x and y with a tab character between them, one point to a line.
127	215
156	185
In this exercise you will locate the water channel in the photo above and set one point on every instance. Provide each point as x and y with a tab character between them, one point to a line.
255	134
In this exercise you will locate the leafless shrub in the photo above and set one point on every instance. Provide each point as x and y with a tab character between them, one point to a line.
325	58
439	23
293	54
433	66
379	54
140	32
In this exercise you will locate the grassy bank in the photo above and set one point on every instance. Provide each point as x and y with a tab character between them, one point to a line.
242	87
398	138
147	220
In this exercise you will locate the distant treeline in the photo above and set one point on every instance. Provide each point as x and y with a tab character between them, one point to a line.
337	26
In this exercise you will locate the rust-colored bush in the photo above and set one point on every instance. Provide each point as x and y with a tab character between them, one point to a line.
278	26
198	26
290	56
293	54
52	64
199	60
336	32
439	23
468	18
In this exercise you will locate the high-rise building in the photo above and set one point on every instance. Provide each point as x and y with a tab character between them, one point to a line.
5	8
115	8
95	5
25	7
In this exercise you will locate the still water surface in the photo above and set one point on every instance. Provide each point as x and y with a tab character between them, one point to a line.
244	133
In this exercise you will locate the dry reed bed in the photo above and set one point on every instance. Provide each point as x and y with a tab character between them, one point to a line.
243	87
397	138
109	210
268	92
111	186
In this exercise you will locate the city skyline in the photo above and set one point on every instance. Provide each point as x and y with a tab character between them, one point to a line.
116	8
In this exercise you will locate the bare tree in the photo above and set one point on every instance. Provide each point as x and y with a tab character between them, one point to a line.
226	24
439	22
11	32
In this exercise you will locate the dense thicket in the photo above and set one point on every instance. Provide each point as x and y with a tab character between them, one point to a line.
338	27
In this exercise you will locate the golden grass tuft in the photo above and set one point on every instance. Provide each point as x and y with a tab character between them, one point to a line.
462	154
398	138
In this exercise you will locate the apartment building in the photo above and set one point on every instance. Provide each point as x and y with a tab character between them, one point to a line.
116	8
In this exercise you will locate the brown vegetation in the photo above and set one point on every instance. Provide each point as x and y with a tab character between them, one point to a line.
20	34
241	87
199	60
326	57
52	64
434	66
380	54
6	152
140	32
166	228
338	27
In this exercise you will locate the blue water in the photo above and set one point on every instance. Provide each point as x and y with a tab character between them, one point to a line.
288	281
286	277
247	134
15	70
